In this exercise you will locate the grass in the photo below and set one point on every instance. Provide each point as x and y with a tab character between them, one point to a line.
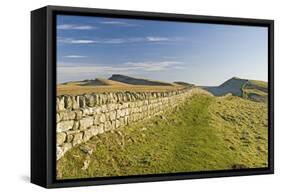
206	133
258	83
256	90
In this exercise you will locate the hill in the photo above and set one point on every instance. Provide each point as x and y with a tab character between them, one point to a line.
205	133
249	89
116	83
104	82
95	82
233	86
77	89
137	81
256	91
184	84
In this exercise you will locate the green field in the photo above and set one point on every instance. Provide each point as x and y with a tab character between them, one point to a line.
205	133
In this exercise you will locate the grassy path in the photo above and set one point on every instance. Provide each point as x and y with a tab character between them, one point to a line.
184	139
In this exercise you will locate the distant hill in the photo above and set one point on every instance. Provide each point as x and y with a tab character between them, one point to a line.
233	86
100	82
183	84
137	81
256	91
95	82
116	83
91	82
250	89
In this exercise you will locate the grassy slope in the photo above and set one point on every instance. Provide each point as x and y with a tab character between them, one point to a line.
207	133
256	90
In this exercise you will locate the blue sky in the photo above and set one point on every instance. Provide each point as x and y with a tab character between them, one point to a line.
203	54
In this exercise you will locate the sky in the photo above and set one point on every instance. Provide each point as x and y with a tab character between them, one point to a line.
203	54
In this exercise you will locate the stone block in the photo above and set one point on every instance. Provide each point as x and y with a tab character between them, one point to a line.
90	100
64	125
69	138
97	110
77	139
79	114
111	107
100	128
61	137
117	123
108	126
123	113
94	130
102	118
96	119
112	115
58	118
86	122
68	102
61	150
67	115
76	125
60	103
75	102
82	102
104	108
118	113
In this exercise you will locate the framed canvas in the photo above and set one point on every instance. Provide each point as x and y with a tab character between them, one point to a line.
125	96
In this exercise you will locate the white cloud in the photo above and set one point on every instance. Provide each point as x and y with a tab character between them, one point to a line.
75	27
118	23
157	39
83	41
74	56
113	22
128	66
119	40
155	66
76	41
68	71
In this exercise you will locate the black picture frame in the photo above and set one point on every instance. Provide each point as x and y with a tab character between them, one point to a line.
43	93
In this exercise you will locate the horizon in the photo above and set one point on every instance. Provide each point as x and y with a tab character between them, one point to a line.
197	53
107	78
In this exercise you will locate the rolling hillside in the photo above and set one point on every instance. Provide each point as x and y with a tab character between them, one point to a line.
256	91
183	84
249	89
104	82
206	133
116	83
138	81
233	86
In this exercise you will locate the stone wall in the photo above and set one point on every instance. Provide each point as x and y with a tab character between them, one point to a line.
81	117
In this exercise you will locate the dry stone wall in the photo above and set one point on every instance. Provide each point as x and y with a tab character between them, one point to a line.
81	117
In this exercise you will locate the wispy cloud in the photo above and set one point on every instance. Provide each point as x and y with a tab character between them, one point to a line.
74	71
157	39
74	56
155	66
118	23
147	39
75	27
128	66
75	41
